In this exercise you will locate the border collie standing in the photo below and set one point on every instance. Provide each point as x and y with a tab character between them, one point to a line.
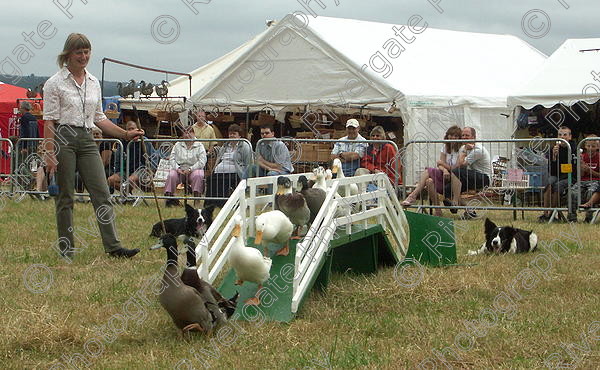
195	222
506	239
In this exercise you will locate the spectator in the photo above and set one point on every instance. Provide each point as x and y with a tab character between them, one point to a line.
28	130
41	182
473	171
105	149
188	159
273	156
139	170
380	157
350	153
434	177
590	174
233	159
202	130
558	181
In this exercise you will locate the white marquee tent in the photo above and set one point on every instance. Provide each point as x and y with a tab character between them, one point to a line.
569	75
436	78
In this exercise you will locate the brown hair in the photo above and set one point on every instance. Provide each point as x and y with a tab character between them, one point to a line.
268	125
453	146
74	42
235	128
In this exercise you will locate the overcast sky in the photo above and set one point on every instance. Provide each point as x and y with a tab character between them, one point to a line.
186	37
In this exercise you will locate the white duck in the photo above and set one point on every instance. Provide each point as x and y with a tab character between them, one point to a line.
249	264
274	227
320	175
344	190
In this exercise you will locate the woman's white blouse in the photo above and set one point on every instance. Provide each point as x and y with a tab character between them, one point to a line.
63	100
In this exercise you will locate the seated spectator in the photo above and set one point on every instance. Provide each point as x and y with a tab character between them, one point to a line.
41	182
473	171
380	157
434	177
350	153
28	129
139	171
232	161
558	181
590	173
273	157
188	159
105	150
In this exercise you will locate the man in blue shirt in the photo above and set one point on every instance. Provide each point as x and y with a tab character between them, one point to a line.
350	153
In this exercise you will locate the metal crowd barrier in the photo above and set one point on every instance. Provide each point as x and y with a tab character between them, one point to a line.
509	157
159	162
307	154
581	185
27	166
6	163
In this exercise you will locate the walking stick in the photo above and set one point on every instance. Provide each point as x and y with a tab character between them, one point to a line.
137	122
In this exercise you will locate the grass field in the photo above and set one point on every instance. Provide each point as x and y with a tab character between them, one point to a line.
524	311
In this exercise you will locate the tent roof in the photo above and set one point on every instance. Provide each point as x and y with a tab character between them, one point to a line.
439	65
9	95
321	62
565	77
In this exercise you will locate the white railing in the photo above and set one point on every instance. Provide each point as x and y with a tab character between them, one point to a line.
337	213
341	212
207	250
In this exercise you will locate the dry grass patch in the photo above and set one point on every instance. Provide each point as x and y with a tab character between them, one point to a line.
362	321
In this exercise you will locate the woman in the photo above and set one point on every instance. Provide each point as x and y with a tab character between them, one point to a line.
72	106
380	157
232	161
434	177
188	159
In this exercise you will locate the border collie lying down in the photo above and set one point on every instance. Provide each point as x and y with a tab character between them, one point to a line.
506	239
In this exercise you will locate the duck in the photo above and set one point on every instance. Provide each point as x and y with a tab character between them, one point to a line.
274	227
146	89
189	277
190	309
314	197
343	190
293	205
249	264
162	90
319	182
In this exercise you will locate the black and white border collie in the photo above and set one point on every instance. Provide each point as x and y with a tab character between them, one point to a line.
194	224
506	239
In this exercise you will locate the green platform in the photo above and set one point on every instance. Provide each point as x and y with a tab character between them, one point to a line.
360	252
276	297
432	240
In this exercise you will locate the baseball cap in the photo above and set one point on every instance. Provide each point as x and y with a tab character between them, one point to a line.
352	122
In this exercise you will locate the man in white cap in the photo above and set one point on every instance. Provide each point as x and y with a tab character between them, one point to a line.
350	153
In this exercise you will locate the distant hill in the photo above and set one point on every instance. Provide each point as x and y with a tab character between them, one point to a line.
31	81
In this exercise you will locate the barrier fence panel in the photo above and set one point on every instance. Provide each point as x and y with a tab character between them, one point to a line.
29	172
307	154
196	169
512	171
6	164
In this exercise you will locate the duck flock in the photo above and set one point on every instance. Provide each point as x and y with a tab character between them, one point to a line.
195	305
